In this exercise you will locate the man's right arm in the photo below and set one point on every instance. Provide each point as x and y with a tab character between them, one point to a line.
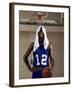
27	53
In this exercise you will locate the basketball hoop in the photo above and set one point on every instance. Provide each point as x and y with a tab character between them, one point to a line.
39	17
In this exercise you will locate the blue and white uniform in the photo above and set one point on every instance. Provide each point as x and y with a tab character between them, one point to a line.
40	60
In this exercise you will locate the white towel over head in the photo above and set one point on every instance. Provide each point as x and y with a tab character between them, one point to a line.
36	42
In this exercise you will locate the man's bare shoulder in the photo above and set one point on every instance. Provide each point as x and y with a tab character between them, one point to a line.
31	45
49	46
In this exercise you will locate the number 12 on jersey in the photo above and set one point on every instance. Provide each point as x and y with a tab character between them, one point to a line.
43	60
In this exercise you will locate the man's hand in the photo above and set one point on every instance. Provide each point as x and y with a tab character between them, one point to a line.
35	69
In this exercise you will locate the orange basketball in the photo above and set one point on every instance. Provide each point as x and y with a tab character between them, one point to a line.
45	73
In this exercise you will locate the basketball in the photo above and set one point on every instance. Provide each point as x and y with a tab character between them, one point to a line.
46	73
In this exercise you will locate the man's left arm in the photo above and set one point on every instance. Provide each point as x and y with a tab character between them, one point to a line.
52	61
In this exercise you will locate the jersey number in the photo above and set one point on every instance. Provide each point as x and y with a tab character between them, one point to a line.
43	61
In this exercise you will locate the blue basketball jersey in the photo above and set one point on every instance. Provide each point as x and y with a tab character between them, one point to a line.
40	60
